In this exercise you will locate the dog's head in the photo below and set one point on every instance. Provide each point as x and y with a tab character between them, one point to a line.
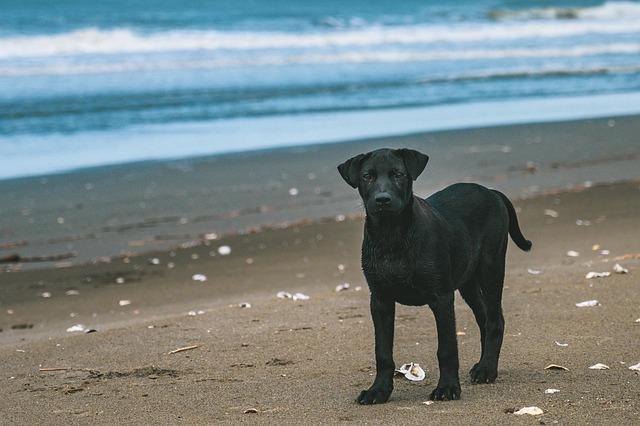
384	178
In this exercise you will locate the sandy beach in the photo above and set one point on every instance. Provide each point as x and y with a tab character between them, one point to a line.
136	235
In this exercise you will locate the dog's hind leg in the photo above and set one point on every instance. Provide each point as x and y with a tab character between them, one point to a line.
449	382
492	280
471	294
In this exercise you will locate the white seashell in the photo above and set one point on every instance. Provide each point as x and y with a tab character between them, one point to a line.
635	367
562	345
300	296
124	302
199	277
211	236
604	252
77	327
556	367
573	253
428	402
551	213
533	411
72	292
154	261
592	274
534	271
340	218
588	304
283	295
293	192
599	366
412	371
358	288
224	250
342	287
194	313
619	269
119	280
45	294
551	391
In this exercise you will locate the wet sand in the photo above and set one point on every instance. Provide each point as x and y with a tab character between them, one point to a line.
306	361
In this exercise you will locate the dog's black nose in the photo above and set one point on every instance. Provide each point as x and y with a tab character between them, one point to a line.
383	199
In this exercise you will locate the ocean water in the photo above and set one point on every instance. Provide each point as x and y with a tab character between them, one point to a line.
92	83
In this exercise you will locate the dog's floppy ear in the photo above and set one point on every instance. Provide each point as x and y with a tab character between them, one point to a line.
414	161
350	170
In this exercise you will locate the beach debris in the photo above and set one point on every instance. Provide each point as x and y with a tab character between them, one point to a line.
556	367
595	247
224	250
427	402
199	277
638	320
284	295
119	280
154	261
340	218
599	366
551	391
45	369
562	345
551	213
293	192
244	305
194	313
90	330
533	411
72	292
619	269
573	253
583	222
635	367
124	302
593	274
186	348
76	328
534	271
45	294
22	326
605	252
357	288
412	371
460	333
211	236
341	267
588	304
342	287
300	296
250	411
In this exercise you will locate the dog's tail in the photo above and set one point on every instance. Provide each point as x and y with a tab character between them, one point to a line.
514	228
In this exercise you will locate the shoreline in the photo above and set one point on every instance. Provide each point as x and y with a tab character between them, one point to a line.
112	211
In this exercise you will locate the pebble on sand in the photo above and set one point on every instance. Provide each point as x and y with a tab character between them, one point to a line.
199	277
533	411
224	250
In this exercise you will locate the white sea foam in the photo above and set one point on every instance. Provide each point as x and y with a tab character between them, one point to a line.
353	57
608	11
91	41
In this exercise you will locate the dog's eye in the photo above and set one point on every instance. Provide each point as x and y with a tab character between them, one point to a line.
398	174
367	176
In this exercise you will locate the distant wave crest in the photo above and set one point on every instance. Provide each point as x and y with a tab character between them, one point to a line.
92	41
626	10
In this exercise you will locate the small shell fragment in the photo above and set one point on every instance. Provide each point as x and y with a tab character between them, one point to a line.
551	213
199	277
154	261
124	302
342	287
533	411
593	274
599	366
534	271
588	304
75	328
45	294
556	367
635	367
551	391
573	253
300	296
293	192
194	313
562	345
427	402
72	292
619	269
412	371
224	250
284	295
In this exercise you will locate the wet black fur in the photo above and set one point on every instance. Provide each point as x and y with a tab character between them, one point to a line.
419	251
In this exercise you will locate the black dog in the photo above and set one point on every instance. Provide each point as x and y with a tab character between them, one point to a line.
418	252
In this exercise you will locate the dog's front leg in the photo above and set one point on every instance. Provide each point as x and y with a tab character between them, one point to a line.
383	313
449	382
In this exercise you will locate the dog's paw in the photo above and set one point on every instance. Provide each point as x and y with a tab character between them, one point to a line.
446	392
374	395
483	374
